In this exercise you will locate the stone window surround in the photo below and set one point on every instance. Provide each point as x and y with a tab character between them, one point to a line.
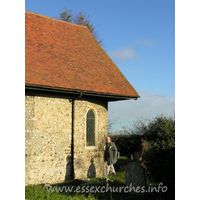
96	128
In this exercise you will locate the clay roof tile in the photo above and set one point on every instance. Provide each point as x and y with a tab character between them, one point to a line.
65	55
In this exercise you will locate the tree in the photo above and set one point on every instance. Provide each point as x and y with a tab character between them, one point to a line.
81	18
151	128
66	15
110	125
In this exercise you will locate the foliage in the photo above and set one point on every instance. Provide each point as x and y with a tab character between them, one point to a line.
81	18
126	144
66	15
160	157
160	132
160	163
152	128
111	124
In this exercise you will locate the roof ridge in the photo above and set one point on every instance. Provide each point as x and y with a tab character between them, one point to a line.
61	55
54	19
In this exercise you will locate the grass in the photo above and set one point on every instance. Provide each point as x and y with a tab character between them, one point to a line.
33	192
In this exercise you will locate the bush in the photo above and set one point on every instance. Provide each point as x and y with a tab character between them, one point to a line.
160	132
126	144
162	162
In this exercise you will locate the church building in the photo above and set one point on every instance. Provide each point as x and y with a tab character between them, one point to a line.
69	80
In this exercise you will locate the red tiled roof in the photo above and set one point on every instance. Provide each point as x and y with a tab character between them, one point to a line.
59	54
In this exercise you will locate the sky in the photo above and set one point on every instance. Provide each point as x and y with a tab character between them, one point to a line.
139	36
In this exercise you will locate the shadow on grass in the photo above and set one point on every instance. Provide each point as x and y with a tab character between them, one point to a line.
96	188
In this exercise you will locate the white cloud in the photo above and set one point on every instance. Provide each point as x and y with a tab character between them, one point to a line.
146	43
148	106
122	54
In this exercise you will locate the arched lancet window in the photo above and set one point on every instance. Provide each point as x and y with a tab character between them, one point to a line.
90	128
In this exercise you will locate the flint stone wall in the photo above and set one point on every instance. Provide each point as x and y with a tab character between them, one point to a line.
48	121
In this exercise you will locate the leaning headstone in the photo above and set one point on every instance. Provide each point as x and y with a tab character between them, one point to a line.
135	179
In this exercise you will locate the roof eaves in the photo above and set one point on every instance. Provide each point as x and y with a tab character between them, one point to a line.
74	91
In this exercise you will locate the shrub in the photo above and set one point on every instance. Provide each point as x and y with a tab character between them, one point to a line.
160	132
126	144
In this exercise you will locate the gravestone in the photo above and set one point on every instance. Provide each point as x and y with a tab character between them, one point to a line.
135	179
136	157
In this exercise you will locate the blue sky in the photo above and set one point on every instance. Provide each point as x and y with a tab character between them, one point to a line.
123	25
139	36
